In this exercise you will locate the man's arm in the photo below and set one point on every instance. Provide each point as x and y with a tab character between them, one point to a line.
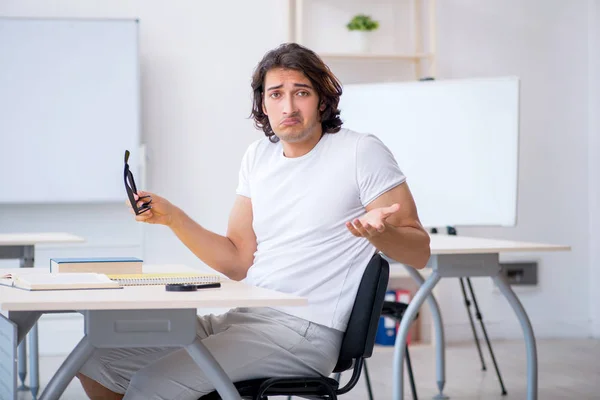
232	254
392	225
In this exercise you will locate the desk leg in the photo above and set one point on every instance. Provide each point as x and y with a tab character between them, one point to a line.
409	315
34	373
27	261
22	361
25	320
67	371
440	343
532	363
25	255
213	370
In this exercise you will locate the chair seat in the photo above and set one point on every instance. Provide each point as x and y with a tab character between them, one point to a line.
283	387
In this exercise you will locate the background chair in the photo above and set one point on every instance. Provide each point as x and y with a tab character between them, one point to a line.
357	345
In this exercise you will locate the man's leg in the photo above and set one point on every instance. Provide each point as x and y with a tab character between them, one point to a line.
107	373
247	345
96	391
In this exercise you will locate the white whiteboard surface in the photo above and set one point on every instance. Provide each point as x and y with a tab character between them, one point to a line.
69	107
455	140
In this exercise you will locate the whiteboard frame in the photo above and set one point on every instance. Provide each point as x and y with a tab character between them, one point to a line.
137	159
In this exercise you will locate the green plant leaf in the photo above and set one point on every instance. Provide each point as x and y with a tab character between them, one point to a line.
362	22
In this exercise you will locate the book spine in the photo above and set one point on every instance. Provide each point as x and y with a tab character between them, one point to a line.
101	268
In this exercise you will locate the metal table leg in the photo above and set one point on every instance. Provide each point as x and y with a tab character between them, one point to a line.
34	373
399	347
213	370
532	363
27	260
440	343
67	371
25	255
22	361
24	321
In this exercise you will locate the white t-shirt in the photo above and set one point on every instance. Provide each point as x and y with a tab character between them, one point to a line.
300	207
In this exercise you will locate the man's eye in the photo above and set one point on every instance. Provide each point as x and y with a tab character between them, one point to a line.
303	93
274	95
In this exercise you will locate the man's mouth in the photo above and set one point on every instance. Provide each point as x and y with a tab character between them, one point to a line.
290	122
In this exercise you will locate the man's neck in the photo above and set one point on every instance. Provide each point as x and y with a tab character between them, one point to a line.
298	149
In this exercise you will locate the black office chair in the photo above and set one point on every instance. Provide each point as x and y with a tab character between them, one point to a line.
357	345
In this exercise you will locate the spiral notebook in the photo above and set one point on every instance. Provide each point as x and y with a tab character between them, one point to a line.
163	279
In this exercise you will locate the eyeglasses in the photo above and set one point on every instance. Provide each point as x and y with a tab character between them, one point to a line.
132	189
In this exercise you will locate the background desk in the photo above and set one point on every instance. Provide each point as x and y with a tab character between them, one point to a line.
455	257
142	312
21	246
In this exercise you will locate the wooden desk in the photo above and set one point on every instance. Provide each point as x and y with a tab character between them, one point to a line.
103	309
460	256
21	246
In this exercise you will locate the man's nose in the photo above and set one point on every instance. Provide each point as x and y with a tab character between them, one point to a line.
289	106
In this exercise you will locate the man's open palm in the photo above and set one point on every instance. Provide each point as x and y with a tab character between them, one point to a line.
372	223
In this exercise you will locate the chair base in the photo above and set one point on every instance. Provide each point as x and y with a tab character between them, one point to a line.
317	387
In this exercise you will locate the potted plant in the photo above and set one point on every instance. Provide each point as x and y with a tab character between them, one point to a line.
360	26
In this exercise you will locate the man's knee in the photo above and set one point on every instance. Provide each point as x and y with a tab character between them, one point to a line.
149	382
96	391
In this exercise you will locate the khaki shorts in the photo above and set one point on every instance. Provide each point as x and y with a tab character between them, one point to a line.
248	343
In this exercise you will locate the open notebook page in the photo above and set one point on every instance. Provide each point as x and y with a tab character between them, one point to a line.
50	281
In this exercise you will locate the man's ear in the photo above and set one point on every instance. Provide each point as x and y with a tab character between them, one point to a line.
264	109
322	107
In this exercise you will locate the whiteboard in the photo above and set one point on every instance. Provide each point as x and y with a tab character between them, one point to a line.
69	107
455	140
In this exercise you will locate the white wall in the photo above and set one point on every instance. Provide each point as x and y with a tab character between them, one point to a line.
594	161
197	58
196	61
545	43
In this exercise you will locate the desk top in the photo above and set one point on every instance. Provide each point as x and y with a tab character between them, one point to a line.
450	244
230	294
30	239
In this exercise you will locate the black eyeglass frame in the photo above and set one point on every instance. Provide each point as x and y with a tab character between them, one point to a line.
131	189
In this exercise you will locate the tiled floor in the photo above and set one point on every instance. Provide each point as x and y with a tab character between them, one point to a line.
568	369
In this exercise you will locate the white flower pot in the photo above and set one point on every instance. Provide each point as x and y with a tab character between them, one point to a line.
361	41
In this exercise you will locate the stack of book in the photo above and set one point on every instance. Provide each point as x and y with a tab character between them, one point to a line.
108	266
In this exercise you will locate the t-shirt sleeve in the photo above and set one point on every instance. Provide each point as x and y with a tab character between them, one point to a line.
243	187
377	170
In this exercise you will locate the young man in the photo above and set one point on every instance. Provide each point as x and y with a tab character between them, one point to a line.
314	203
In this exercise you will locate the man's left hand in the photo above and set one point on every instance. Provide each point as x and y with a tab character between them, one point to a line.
372	224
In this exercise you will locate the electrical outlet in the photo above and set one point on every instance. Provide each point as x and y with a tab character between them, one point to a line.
520	273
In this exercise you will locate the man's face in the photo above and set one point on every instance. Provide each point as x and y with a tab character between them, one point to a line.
292	105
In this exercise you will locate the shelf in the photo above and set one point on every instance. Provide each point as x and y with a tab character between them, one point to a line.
423	21
377	56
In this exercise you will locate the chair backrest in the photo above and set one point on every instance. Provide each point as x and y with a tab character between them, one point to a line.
359	338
